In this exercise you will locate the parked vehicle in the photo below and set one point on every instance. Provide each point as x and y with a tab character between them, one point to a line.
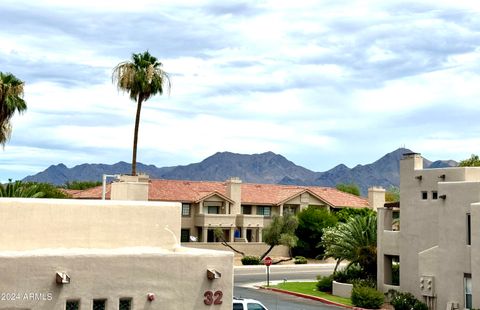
247	304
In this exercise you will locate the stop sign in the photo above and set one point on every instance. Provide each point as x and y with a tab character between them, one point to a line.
267	261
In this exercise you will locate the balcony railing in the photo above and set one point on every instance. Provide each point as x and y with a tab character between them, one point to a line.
246	220
215	220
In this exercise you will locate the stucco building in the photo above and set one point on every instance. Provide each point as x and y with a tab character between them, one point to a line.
437	245
114	255
240	209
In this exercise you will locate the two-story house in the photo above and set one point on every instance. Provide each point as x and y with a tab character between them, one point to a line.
240	209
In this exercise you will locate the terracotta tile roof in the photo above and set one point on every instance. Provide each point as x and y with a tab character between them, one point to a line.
255	194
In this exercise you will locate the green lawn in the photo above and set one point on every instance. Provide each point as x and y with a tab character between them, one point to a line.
309	288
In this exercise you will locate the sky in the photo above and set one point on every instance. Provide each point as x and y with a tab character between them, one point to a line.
319	82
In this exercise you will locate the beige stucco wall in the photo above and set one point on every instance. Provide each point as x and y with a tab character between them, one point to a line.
304	200
130	188
432	240
54	223
178	280
110	249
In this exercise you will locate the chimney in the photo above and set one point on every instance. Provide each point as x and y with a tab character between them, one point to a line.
234	192
130	188
376	197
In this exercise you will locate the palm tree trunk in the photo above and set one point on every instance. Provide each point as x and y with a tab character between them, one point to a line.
135	135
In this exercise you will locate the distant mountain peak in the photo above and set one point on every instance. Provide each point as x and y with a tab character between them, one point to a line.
267	167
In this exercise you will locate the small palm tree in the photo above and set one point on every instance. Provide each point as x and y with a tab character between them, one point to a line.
20	189
142	77
354	241
11	101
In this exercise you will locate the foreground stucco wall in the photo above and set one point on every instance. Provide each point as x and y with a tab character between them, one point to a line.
110	250
178	279
66	223
251	248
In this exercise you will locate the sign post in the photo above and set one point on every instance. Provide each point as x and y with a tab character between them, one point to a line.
268	261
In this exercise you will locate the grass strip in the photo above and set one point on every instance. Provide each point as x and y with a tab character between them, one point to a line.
309	288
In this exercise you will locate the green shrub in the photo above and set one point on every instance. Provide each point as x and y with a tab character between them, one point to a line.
364	282
350	274
251	260
405	301
366	297
324	284
300	260
396	274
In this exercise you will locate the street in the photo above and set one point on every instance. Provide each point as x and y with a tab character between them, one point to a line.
245	276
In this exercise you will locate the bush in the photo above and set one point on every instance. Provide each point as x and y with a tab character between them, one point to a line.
349	274
366	297
325	284
251	260
405	301
396	274
300	260
364	282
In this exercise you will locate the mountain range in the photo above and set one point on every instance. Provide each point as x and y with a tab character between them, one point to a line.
256	168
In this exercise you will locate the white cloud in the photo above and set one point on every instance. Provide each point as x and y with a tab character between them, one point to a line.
319	82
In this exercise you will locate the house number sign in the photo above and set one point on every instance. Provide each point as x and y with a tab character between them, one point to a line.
212	298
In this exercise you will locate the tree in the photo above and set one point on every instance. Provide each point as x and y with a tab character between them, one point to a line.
311	222
142	77
281	231
351	188
346	213
19	189
354	241
473	161
80	185
30	190
392	194
11	101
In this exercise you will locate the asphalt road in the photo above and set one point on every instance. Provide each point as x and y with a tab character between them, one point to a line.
246	277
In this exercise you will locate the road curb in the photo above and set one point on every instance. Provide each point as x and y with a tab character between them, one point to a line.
320	299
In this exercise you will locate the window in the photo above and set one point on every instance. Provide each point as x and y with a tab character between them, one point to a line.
265	211
424	195
99	304
72	305
467	283
434	195
251	306
289	210
186	209
246	209
125	304
212	210
185	235
469	229
237	306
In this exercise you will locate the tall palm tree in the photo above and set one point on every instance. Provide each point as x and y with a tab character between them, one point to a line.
11	101
142	77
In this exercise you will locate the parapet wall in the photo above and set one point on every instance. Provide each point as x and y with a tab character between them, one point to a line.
29	224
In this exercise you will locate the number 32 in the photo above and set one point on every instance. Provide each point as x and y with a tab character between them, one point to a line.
209	298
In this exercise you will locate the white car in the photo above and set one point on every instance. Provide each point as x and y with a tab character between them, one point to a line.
247	304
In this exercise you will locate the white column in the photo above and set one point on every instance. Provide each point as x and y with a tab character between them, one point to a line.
260	230
232	234
281	210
